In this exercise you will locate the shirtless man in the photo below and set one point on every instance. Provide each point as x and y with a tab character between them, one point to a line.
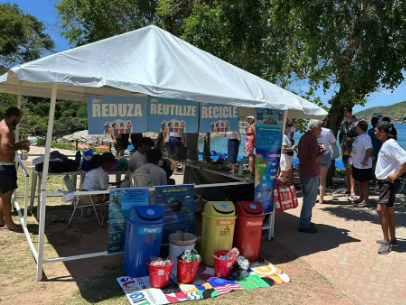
8	172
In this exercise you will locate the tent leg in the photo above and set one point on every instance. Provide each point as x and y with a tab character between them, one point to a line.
17	132
44	183
272	216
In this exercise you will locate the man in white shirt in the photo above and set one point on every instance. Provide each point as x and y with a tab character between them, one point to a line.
328	139
362	162
138	158
157	174
233	145
390	166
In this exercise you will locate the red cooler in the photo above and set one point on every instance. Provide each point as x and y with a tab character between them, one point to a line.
248	228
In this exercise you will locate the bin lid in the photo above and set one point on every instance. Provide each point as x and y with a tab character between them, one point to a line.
219	208
249	208
146	213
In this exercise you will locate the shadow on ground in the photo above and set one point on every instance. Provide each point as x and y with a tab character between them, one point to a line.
94	277
303	244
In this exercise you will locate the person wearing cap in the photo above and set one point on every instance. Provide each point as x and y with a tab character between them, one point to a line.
348	133
250	143
390	166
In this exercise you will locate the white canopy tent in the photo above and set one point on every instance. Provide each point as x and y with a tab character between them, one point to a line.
148	61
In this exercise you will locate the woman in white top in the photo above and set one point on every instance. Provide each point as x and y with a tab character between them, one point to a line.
390	166
362	162
97	179
327	138
287	153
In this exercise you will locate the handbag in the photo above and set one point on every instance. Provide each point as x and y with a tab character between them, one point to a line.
284	196
334	151
290	153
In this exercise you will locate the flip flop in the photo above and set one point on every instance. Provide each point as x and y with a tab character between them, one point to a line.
362	204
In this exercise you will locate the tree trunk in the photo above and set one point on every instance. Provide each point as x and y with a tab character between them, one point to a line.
206	148
335	116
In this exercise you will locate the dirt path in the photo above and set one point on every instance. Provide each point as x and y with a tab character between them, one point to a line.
345	248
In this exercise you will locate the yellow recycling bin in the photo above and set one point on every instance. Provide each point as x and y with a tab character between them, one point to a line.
217	230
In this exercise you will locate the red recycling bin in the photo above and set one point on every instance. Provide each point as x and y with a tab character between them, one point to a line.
248	228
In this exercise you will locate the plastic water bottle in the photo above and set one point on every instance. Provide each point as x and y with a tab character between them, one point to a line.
24	155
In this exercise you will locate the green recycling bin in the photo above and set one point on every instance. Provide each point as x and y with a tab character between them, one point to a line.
217	229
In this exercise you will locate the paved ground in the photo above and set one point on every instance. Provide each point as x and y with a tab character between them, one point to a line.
345	250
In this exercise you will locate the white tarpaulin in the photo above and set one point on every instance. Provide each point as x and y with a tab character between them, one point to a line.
153	62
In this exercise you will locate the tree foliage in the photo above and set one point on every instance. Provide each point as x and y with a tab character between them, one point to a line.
85	21
349	47
22	37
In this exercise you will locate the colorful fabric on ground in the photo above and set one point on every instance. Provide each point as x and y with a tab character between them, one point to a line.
253	281
205	286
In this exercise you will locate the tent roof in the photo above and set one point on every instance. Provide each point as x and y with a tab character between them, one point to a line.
149	61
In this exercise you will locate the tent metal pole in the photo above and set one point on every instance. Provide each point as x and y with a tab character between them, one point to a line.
17	133
272	216
44	182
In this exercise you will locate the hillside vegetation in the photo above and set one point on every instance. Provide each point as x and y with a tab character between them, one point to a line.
397	112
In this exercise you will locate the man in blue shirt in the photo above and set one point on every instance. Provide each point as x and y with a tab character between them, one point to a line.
376	144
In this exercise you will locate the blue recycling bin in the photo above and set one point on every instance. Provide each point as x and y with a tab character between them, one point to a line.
143	238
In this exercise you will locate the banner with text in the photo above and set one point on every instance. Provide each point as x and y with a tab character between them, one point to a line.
121	201
268	143
116	114
218	118
171	115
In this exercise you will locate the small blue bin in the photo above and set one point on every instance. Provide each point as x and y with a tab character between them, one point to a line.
143	238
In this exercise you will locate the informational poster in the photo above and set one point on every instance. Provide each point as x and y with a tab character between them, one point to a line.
116	114
179	208
172	115
121	201
218	118
268	142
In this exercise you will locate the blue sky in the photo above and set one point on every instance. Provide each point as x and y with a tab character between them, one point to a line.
45	11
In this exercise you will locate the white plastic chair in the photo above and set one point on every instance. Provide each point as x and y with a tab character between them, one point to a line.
77	202
140	180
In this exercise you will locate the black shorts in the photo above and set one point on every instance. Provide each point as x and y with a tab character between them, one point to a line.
124	140
346	160
8	178
387	192
118	146
361	175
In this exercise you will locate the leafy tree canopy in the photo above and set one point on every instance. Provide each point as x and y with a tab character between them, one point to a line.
22	37
349	47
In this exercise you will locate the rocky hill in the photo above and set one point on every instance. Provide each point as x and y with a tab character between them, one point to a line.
396	112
